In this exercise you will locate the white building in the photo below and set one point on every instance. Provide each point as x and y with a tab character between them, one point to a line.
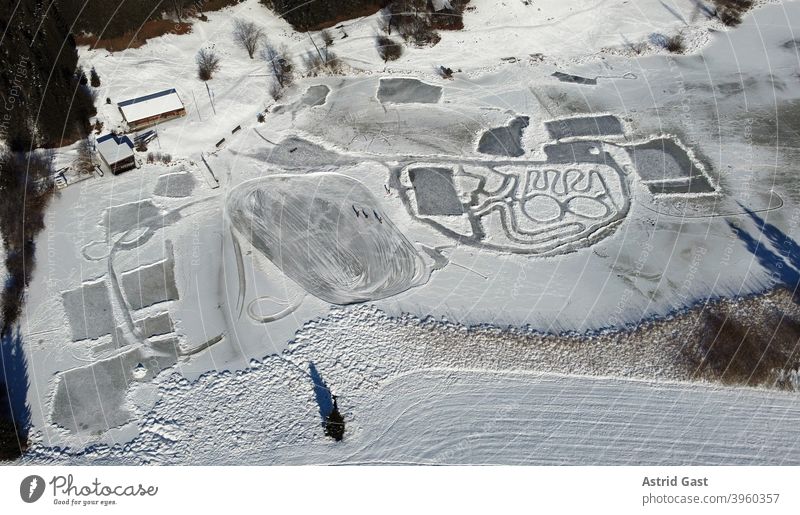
115	153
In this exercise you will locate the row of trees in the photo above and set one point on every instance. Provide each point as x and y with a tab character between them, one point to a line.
45	102
93	80
112	19
26	188
253	39
730	12
415	21
304	15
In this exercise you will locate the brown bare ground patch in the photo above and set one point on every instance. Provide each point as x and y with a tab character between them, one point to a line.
746	341
753	347
135	38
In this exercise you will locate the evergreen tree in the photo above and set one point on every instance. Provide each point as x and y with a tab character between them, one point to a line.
334	424
42	88
81	76
95	78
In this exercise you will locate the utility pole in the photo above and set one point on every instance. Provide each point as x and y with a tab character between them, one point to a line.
317	48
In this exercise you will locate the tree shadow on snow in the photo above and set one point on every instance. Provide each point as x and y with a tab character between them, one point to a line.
782	260
15	414
321	392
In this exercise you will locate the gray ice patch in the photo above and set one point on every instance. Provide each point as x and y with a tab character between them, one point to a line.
408	91
128	216
150	284
606	125
92	399
504	141
298	152
662	159
175	185
698	184
315	95
574	79
155	325
89	310
435	192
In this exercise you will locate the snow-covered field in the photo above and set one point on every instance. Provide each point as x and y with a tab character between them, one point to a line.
162	325
423	393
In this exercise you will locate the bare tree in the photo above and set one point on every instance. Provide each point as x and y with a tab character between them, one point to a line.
279	63
388	49
412	20
730	12
316	64
248	35
675	44
207	63
275	90
178	8
83	162
281	66
327	38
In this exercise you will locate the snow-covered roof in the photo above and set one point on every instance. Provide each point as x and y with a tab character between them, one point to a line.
114	148
153	104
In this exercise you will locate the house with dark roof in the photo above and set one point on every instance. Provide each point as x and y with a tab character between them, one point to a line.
151	109
115	153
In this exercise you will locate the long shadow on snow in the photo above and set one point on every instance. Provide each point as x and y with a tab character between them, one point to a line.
782	265
321	392
15	413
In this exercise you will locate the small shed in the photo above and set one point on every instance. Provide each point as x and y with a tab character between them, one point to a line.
151	109
115	153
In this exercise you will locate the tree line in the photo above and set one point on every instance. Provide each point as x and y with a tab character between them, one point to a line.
45	103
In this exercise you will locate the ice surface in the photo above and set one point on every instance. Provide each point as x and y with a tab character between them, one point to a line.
150	284
329	234
434	192
176	185
504	141
88	310
408	91
594	126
